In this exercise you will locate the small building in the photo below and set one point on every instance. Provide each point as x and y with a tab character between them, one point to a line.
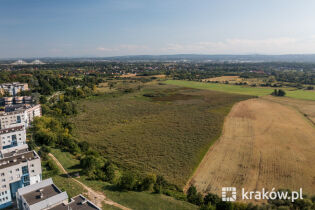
78	202
46	195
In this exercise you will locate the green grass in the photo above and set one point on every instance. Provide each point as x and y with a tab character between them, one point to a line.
166	133
69	162
139	200
134	200
255	91
63	182
301	94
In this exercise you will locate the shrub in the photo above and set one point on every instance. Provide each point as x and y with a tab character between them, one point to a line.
193	196
127	181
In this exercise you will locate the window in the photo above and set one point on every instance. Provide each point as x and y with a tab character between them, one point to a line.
18	119
2	174
17	169
3	180
25	170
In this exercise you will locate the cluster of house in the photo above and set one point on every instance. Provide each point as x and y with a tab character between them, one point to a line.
21	184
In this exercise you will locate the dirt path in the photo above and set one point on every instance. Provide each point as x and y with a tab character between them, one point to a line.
263	145
96	197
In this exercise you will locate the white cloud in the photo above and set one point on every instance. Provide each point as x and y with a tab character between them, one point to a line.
282	45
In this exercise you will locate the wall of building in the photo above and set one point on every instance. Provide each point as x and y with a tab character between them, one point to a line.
7	139
13	119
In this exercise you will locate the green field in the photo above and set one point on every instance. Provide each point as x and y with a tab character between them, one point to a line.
134	200
255	91
301	94
166	132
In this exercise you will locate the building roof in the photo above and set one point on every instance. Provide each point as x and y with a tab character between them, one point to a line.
13	129
42	195
77	203
17	159
9	152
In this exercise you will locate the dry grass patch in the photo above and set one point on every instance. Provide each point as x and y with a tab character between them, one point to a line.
306	107
263	145
162	129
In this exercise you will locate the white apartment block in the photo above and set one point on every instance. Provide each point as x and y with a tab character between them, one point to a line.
13	88
19	115
20	169
12	137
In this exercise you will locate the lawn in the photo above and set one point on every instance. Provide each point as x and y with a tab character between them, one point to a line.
255	91
161	129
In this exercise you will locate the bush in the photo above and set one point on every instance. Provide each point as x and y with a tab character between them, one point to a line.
53	167
212	199
193	196
148	182
127	181
279	92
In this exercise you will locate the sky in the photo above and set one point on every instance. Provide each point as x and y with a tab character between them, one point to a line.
88	28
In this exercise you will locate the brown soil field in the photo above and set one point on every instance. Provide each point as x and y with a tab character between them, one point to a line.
134	75
223	78
263	145
306	107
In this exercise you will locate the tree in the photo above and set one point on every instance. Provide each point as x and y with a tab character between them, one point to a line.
127	181
279	92
193	196
110	172
159	184
212	199
90	164
148	182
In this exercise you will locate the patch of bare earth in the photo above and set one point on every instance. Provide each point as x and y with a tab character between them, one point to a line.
263	145
306	107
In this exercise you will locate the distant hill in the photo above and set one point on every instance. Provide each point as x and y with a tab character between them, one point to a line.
219	58
252	58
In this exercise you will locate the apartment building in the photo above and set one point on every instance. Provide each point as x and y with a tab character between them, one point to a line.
5	101
46	195
12	137
13	88
18	115
13	119
18	169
